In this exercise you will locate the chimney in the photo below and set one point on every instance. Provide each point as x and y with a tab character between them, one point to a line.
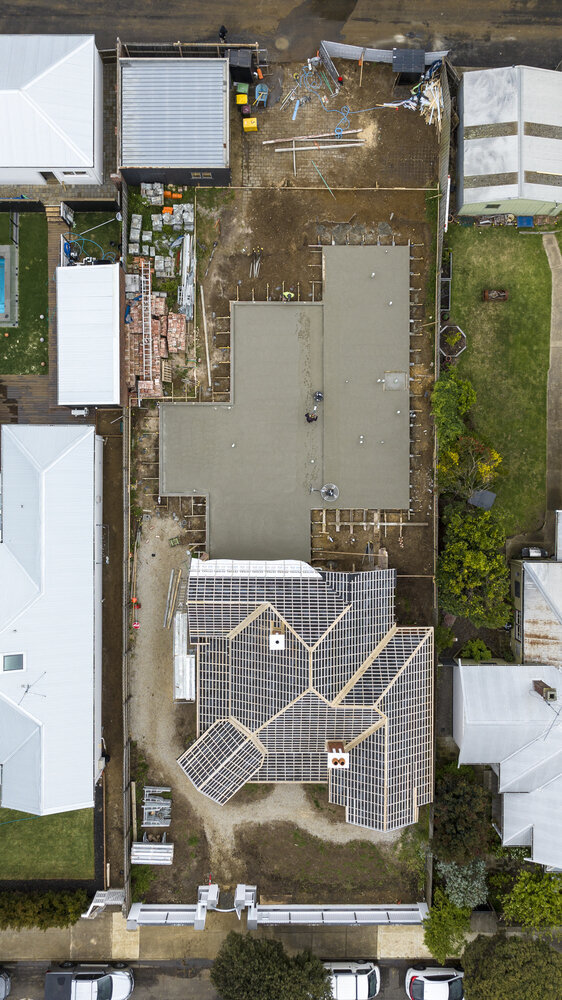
338	759
546	692
276	636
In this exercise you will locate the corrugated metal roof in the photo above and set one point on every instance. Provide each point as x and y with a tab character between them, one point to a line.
88	323
47	101
542	611
47	709
174	113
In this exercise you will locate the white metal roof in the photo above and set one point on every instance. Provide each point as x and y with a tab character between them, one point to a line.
508	724
50	508
88	325
530	99
174	113
47	101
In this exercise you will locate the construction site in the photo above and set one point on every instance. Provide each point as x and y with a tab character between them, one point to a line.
283	265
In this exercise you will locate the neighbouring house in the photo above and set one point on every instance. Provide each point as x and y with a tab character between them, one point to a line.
536	587
174	120
50	617
51	109
509	717
90	335
509	143
319	403
303	676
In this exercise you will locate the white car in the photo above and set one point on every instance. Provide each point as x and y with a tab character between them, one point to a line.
434	984
354	980
89	982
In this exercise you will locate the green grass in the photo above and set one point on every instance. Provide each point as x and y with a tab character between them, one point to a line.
506	359
21	351
107	234
47	847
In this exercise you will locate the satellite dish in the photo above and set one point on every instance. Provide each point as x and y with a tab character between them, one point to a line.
330	492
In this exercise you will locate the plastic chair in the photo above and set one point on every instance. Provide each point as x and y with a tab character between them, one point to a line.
262	90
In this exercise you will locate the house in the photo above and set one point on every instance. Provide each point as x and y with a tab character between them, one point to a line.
174	120
50	617
51	109
509	157
90	335
509	717
536	587
319	403
303	676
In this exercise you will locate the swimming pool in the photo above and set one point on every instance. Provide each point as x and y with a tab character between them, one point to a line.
2	291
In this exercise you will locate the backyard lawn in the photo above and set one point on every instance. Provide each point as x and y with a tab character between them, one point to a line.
103	233
47	847
21	350
506	359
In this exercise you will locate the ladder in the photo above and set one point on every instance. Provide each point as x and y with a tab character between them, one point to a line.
146	320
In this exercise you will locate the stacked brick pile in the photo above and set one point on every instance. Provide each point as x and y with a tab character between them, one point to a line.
176	332
168	335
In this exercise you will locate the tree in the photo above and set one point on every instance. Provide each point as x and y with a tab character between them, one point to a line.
476	649
472	575
41	909
535	901
467	465
445	928
499	967
465	885
462	818
451	400
247	968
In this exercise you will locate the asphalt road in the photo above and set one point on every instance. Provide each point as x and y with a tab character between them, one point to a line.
176	981
480	33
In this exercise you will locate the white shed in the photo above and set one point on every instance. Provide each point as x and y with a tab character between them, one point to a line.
51	109
50	617
89	335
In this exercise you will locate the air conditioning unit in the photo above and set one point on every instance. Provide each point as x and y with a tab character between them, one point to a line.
338	759
276	637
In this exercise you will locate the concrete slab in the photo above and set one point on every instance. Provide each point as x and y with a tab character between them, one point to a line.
257	459
402	942
35	946
125	945
91	940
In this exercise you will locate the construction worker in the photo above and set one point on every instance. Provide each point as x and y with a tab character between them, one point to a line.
222	33
288	296
311	417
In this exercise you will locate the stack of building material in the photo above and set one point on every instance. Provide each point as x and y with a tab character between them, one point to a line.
135	233
176	332
181	217
154	193
163	266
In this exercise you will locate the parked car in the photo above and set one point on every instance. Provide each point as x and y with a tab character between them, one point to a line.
434	984
533	552
89	982
5	984
354	980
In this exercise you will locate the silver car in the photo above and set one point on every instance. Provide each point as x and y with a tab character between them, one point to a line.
5	984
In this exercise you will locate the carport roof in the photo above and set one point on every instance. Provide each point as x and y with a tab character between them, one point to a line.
257	459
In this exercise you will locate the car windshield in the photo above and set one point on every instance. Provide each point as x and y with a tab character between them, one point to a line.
416	989
105	988
372	984
455	990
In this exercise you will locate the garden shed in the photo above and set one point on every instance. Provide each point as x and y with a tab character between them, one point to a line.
510	142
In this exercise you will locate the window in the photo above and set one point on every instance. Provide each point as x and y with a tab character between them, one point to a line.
12	661
517	588
195	175
207	174
75	173
493	206
518	625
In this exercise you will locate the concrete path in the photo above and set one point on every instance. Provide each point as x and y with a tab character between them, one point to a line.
554	391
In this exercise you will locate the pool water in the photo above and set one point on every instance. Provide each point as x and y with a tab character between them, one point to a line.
2	291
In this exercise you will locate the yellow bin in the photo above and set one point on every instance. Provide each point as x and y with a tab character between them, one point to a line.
241	98
250	124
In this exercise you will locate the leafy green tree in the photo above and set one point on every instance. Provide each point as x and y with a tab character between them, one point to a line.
462	817
465	885
476	649
535	900
499	967
247	968
451	400
472	575
445	928
467	465
41	909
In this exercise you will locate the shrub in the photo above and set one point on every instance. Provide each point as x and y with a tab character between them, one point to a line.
476	649
472	575
142	877
499	967
466	466
465	885
535	901
451	400
462	825
445	928
247	968
19	910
